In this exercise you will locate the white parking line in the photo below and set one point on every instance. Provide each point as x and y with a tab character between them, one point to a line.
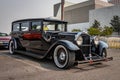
35	66
30	64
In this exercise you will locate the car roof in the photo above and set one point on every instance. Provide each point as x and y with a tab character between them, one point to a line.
36	19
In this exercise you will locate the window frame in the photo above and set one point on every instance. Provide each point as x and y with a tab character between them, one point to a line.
56	25
36	20
36	29
26	26
13	27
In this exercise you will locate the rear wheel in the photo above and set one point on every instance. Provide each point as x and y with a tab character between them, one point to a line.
12	47
63	58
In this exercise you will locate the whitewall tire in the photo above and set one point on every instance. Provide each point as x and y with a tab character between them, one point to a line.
12	47
63	58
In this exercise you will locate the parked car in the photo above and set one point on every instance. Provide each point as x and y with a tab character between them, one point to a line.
42	38
4	40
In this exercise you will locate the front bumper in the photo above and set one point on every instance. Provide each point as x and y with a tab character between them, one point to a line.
95	60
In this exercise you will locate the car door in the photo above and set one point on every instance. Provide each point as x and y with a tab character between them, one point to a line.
24	34
35	35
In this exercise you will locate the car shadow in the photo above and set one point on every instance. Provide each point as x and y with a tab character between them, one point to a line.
2	48
49	63
45	63
88	67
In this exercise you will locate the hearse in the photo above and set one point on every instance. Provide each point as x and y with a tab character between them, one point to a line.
43	38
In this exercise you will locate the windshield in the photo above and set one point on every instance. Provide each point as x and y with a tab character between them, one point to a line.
54	26
3	34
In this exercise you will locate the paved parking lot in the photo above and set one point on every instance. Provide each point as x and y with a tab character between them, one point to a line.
21	67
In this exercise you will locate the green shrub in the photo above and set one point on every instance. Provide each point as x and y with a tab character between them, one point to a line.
107	31
94	31
76	30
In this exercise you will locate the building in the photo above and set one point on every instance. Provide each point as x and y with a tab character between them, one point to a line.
57	9
116	2
78	14
104	15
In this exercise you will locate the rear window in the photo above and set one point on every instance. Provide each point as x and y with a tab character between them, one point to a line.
16	27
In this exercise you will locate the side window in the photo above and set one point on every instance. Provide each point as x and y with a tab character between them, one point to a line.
16	27
25	26
61	27
48	26
36	26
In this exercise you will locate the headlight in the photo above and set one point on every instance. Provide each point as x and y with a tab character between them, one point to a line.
79	40
96	40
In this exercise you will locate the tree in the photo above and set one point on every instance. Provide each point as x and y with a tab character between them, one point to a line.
95	28
96	24
115	22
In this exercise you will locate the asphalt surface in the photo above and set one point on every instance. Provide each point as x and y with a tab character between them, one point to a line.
21	67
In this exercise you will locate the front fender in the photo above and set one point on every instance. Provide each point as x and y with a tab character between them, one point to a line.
102	45
68	44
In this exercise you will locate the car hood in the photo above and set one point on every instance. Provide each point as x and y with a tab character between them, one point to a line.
68	33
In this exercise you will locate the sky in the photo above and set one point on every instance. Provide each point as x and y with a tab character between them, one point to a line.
11	10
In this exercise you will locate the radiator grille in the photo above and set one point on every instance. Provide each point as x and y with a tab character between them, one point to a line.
86	46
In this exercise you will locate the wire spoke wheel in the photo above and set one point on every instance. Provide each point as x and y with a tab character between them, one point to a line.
63	58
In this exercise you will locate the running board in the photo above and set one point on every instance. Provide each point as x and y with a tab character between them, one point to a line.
94	61
38	56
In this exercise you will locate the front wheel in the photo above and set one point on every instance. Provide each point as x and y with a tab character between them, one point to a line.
104	53
63	58
12	47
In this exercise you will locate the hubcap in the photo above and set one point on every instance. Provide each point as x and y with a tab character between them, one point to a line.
62	56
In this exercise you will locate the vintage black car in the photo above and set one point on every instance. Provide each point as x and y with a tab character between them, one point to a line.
42	38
